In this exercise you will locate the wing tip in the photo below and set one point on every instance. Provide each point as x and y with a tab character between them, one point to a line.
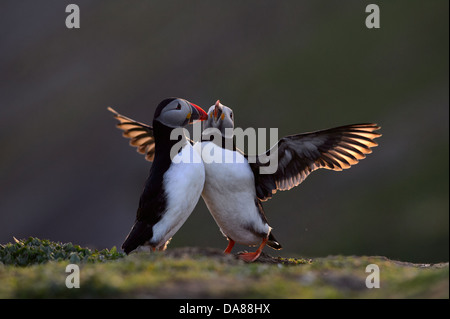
109	108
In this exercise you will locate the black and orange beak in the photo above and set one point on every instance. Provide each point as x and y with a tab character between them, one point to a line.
197	114
217	110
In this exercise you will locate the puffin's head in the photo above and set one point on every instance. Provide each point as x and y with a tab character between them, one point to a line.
176	112
219	117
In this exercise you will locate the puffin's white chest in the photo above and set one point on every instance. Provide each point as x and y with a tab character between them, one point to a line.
183	183
225	169
229	193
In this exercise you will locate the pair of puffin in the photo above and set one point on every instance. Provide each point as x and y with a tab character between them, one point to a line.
234	186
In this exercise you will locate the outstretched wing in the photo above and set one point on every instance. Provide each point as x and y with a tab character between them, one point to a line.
140	134
298	155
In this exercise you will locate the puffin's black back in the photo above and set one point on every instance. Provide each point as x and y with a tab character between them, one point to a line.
153	201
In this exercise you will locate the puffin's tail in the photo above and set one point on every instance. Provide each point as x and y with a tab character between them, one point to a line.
139	234
272	242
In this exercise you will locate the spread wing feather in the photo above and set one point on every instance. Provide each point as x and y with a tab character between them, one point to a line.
298	155
140	134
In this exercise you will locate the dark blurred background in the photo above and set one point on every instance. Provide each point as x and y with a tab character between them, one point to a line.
66	173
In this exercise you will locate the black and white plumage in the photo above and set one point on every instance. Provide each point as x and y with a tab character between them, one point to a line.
229	191
235	185
174	184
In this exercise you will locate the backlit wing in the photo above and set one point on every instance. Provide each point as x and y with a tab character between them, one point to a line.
140	134
298	155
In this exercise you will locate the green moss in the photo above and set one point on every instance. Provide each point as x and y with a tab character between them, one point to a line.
32	251
202	273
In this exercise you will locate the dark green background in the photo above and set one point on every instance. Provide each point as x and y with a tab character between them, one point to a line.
67	174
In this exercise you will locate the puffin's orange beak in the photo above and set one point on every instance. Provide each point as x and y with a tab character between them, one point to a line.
197	114
216	110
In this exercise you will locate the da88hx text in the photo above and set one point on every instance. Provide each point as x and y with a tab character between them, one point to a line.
246	308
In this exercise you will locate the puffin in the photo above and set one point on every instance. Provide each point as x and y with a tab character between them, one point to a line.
236	184
229	190
176	177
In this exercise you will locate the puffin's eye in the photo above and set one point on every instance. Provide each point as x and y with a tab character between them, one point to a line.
178	106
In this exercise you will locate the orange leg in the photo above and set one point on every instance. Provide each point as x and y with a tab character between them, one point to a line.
230	246
250	257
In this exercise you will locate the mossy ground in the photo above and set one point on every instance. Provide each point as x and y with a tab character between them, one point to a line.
207	273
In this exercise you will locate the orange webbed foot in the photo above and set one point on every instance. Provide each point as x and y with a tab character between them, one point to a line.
251	257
